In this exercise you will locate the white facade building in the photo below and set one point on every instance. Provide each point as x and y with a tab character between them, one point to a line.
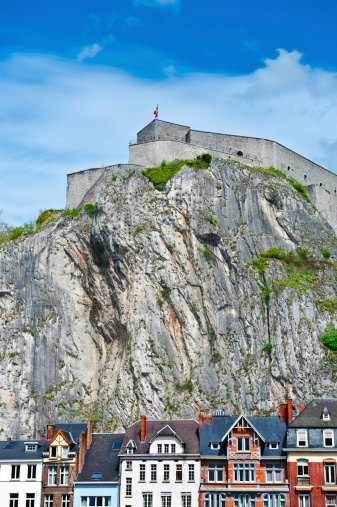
21	473
160	465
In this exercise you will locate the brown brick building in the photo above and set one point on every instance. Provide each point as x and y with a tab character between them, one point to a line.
67	444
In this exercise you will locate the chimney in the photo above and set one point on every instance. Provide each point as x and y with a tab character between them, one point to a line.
143	428
89	431
289	410
301	408
42	437
201	420
82	447
283	411
9	439
51	430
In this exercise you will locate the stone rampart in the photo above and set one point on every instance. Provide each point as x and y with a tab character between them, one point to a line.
85	186
325	202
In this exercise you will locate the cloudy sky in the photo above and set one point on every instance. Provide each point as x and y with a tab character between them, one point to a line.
79	79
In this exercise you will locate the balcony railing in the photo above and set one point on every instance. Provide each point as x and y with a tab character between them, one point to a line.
303	480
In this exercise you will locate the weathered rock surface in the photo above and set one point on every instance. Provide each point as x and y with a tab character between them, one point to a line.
155	307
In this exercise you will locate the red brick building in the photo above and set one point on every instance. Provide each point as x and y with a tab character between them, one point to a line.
242	460
64	459
312	454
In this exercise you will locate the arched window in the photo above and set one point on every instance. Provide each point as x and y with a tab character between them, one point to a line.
274	500
244	500
214	500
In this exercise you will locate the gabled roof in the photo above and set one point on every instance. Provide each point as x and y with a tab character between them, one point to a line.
311	415
101	458
65	434
131	444
250	424
166	431
187	429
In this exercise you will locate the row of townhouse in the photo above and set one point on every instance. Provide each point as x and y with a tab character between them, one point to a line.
219	461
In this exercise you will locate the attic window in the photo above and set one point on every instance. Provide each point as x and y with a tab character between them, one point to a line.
117	445
97	476
215	446
326	415
129	450
10	445
53	451
273	445
31	447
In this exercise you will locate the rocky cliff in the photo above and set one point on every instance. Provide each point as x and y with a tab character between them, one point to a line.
156	305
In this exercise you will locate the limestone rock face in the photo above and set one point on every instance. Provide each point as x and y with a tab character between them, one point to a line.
155	306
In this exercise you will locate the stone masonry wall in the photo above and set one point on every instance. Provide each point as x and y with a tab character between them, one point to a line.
161	130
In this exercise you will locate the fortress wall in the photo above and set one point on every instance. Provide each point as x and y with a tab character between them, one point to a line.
79	183
152	153
325	202
158	129
84	187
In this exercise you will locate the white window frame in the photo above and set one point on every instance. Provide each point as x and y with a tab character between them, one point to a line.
274	500
147	500
65	502
173	448
274	468
186	500
52	474
214	499
128	486
244	468
273	445
217	469
15	473
191	473
166	500
166	448
166	473
153	476
53	450
328	432
244	442
30	499
65	451
128	465
14	500
85	500
244	500
303	463
142	471
159	448
329	473
179	470
303	500
215	446
48	500
64	475
31	472
326	416
31	447
305	440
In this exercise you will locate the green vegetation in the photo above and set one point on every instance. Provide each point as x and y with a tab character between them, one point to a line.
71	212
207	254
44	216
114	178
90	209
186	386
216	358
137	231
276	172
326	253
330	336
268	347
160	175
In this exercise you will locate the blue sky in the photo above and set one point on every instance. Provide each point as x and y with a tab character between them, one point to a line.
79	79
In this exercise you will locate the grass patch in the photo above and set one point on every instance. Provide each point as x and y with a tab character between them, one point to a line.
44	216
186	386
216	358
71	212
268	347
329	339
326	253
160	175
90	210
276	172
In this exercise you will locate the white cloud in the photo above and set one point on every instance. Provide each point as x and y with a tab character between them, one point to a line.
64	116
89	52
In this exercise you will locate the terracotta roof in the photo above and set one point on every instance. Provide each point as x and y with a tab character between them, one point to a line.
187	429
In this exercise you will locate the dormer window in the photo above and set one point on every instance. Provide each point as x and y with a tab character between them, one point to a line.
130	447
326	414
53	451
273	445
31	447
215	446
129	450
65	451
302	438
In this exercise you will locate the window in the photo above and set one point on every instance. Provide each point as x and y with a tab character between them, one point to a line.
215	446
14	500
147	499
303	501
273	445
142	473
129	450
31	447
244	501
214	500
65	451
64	477
93	501
31	472
191	473
153	472
15	474
166	448
66	501
243	444
48	501
159	448
326	415
52	476
97	475
328	438
215	472
179	473
302	438
244	472
129	465
330	500
272	500
302	467
53	451
173	448
128	490
166	500
30	500
329	473
166	472
273	473
186	500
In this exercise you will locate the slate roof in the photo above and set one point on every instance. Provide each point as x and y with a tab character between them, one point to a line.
72	433
270	428
187	429
101	457
18	452
311	416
